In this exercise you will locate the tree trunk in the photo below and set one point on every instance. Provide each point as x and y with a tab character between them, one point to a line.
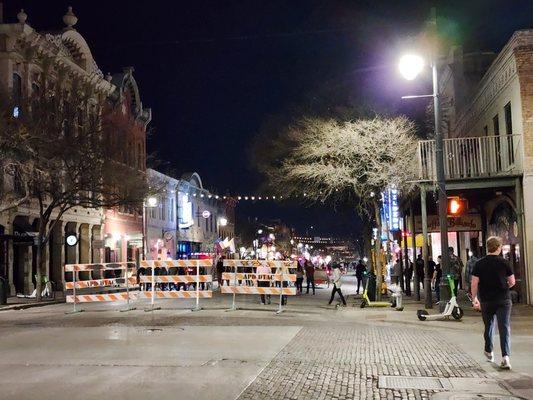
38	262
377	251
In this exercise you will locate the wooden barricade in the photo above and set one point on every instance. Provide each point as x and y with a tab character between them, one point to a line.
190	275
126	281
245	280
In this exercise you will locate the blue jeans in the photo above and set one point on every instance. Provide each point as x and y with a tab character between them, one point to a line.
502	311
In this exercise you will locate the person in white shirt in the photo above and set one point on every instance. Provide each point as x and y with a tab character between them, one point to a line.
337	283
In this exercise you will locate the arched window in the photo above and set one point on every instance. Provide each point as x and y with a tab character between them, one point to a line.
17	88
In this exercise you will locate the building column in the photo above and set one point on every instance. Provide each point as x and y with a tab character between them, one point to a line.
524	217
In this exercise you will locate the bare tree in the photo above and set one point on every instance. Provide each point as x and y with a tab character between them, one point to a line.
357	159
66	147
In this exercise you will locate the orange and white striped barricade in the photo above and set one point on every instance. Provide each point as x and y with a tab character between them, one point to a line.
185	278
280	273
128	278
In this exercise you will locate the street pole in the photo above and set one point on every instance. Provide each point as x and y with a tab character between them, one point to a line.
144	231
441	179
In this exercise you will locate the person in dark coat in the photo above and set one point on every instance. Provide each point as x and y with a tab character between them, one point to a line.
360	270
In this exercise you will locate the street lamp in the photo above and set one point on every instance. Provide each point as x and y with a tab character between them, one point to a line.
150	202
259	231
410	66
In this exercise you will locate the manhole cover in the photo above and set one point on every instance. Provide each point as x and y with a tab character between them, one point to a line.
413	382
472	396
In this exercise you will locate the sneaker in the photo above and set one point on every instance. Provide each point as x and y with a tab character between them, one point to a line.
505	364
489	355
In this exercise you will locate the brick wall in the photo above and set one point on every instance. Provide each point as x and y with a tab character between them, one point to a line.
524	62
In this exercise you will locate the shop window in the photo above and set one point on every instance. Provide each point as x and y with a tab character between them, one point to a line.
509	132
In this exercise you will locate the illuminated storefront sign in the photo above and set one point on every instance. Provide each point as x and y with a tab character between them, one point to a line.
185	212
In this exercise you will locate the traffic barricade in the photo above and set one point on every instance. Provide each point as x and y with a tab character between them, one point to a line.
245	280
172	280
98	287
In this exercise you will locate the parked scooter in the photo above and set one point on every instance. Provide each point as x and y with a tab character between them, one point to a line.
452	307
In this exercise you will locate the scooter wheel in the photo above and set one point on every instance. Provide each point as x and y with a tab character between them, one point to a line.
457	313
421	314
393	304
399	309
363	304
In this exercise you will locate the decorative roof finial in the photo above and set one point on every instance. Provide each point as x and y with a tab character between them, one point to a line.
22	16
70	19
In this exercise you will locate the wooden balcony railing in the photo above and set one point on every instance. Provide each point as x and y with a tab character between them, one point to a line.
473	157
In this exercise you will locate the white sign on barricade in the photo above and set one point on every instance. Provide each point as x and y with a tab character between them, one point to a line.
246	280
125	281
165	278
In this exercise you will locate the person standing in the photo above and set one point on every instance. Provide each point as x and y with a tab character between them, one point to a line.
360	270
456	266
336	279
310	275
264	277
396	272
468	271
220	270
299	278
436	278
492	277
408	274
419	264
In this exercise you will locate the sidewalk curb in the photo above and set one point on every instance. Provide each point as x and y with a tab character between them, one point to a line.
29	305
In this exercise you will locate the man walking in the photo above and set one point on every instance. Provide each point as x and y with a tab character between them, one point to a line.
360	270
408	275
436	278
468	271
491	278
336	278
419	265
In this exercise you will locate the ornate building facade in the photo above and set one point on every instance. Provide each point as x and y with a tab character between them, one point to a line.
26	58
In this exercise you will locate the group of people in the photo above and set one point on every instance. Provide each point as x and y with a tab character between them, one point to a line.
434	272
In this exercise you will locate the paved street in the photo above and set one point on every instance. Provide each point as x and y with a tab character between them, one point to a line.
310	351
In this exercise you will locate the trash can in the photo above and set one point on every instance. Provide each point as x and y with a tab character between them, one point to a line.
371	287
3	290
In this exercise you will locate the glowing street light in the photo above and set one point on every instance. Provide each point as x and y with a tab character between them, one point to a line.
222	221
151	201
259	231
411	65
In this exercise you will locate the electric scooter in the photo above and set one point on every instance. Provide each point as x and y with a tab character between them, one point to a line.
366	300
451	309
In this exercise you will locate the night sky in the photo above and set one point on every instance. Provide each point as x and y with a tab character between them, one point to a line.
214	71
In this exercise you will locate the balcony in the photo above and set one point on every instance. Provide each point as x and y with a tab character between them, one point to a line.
472	157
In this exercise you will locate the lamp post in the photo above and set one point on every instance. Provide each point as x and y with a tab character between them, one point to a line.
410	66
150	202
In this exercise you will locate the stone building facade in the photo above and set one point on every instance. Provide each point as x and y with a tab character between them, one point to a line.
21	76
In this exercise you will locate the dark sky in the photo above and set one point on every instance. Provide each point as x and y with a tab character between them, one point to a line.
213	71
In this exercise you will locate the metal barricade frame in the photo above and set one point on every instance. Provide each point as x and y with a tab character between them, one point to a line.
183	294
281	277
103	282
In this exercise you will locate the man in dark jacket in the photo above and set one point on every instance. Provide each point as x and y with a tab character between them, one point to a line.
360	270
310	275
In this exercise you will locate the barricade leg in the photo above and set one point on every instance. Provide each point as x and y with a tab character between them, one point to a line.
128	307
197	308
152	308
233	305
74	310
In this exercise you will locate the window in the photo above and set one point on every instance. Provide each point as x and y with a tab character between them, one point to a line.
509	132
17	94
162	208
171	210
